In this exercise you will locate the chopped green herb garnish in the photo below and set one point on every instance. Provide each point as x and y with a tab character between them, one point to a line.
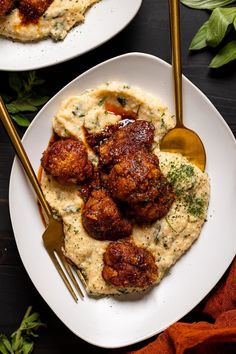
178	176
22	340
195	205
101	101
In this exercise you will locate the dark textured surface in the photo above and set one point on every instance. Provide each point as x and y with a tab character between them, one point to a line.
149	33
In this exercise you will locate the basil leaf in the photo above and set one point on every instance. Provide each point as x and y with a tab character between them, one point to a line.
3	349
199	40
20	120
206	4
225	55
20	106
15	82
37	101
218	24
16	341
5	345
235	23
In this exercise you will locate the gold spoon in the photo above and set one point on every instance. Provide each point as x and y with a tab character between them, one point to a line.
181	139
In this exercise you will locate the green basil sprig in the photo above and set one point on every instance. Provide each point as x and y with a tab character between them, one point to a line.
221	22
27	94
22	340
206	4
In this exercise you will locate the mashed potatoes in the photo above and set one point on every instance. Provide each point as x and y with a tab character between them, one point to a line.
56	22
168	238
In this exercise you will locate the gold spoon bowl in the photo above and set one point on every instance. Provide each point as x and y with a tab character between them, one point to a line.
186	142
181	139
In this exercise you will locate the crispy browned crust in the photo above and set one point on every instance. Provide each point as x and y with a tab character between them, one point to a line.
151	211
135	178
129	266
132	137
102	219
67	161
33	9
6	6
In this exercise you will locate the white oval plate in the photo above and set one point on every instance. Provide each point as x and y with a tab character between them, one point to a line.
110	322
102	22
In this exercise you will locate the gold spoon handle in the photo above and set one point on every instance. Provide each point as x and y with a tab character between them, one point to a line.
20	151
176	58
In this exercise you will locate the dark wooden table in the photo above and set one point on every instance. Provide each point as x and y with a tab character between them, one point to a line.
149	33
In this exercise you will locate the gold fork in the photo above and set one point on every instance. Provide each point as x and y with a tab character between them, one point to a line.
53	236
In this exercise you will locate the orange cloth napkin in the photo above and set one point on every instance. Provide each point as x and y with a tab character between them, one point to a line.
213	333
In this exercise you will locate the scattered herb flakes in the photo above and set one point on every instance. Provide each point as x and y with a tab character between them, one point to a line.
220	25
122	101
101	101
157	233
163	124
195	205
178	176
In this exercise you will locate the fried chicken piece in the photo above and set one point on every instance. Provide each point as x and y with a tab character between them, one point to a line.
102	219
67	161
151	211
129	266
6	6
132	137
135	178
33	9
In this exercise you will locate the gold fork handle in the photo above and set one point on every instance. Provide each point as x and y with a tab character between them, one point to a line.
176	58
20	151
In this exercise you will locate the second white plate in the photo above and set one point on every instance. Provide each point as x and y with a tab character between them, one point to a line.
102	22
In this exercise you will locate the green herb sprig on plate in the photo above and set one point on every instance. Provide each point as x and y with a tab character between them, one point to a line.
220	24
22	340
26	94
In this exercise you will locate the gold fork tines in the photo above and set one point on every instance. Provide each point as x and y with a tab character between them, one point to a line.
53	239
53	236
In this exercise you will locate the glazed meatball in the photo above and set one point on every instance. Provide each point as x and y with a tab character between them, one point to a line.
33	9
129	266
135	178
129	139
67	161
5	6
102	219
148	212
